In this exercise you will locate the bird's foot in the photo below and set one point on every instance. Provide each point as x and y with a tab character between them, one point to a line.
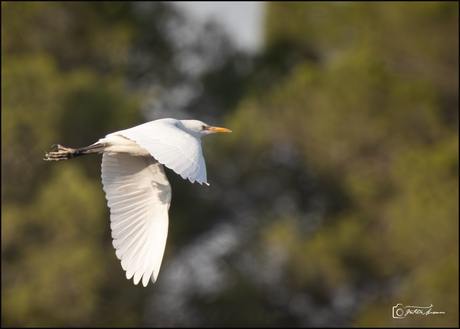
59	153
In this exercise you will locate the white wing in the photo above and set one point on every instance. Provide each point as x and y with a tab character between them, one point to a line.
138	195
171	146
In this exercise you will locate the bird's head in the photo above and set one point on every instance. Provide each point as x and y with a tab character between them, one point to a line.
198	128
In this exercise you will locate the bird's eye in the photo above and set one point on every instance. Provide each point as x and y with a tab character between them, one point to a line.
203	127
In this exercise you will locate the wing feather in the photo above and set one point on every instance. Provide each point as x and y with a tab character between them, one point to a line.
138	195
171	146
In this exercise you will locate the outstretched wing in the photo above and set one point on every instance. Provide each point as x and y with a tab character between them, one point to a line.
138	195
171	146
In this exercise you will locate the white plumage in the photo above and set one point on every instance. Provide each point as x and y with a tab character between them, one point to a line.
173	143
137	190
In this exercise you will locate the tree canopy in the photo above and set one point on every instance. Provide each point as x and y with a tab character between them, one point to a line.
334	199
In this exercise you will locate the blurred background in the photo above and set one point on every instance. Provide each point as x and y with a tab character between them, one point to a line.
334	199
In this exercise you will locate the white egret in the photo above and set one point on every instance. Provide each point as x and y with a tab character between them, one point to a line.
136	187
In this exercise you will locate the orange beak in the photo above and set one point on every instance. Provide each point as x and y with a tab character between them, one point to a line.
218	130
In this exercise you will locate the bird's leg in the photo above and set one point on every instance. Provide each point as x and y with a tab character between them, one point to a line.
64	153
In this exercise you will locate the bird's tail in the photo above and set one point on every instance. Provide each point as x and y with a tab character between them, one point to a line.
65	153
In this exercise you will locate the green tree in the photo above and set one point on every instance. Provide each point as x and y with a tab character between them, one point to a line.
337	193
64	69
373	115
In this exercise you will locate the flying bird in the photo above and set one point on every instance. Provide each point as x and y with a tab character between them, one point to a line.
137	190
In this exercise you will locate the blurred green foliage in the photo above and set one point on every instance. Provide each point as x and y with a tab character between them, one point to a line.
343	159
374	114
61	82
